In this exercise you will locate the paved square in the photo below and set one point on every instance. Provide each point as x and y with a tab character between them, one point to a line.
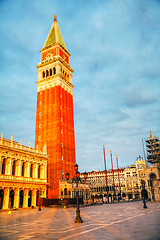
108	221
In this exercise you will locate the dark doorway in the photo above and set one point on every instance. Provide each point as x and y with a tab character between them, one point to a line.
21	194
1	198
37	198
29	198
11	198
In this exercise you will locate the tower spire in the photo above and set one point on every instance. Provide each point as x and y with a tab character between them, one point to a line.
151	136
54	37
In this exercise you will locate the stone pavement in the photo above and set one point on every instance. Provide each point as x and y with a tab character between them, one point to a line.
123	221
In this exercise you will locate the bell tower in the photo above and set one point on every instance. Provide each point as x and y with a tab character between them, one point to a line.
54	116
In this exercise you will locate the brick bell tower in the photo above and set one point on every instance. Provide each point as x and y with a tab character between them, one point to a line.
54	116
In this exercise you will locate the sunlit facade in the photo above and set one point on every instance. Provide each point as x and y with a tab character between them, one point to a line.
23	174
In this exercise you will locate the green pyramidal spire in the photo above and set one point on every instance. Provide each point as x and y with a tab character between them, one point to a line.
54	36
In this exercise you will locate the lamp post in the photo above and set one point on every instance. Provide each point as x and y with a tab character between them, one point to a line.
77	179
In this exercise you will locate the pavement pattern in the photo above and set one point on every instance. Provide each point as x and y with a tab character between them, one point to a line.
120	221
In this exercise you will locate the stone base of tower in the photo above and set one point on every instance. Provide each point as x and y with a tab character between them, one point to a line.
53	192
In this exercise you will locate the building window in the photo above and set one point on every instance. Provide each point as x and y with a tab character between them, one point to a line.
54	70
40	114
46	73
39	125
61	119
62	158
3	166
13	168
23	169
39	138
38	171
61	144
31	170
65	191
50	72
40	103
61	131
43	74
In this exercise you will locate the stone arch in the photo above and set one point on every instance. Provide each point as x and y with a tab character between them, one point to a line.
153	178
13	167
3	166
65	191
23	169
152	183
21	195
1	198
31	170
37	198
11	198
43	74
29	198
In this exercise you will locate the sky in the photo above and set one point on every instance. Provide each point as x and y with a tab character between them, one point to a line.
115	55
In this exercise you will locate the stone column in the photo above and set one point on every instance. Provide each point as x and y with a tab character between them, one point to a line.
27	169
18	169
35	170
25	198
34	194
8	167
42	171
45	171
6	198
16	198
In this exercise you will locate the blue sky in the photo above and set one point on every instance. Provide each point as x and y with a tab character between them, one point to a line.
115	53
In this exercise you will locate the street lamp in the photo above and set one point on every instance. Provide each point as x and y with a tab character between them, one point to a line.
77	179
78	218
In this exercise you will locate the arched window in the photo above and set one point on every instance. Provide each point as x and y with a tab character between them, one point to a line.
38	171
50	72
1	198
3	166
65	191
46	73
43	74
13	168
54	70
21	193
31	170
11	197
29	198
23	169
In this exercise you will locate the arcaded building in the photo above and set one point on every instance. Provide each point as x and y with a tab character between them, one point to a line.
23	174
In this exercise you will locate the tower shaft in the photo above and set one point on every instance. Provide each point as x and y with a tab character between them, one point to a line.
54	116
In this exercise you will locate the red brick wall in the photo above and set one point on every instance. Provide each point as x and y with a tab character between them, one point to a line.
55	51
56	114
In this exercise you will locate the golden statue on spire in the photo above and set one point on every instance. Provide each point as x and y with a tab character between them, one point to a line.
55	17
